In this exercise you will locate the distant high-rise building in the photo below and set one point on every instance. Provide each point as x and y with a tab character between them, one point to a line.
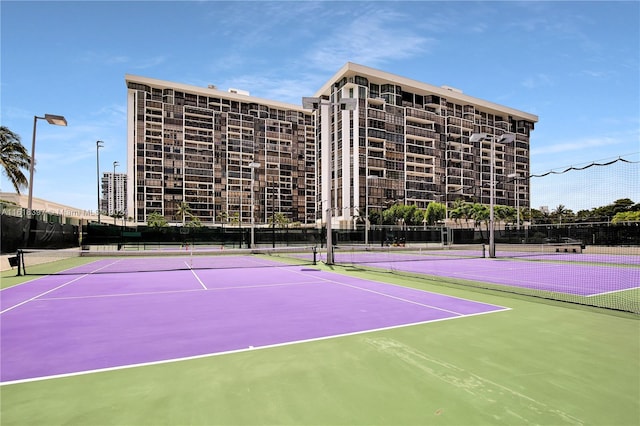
406	142
114	194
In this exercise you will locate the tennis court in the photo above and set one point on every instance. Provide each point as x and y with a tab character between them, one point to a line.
555	272
103	315
239	338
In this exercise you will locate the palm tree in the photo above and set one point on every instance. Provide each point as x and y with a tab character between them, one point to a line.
560	211
222	218
183	210
468	212
13	157
156	220
194	222
480	213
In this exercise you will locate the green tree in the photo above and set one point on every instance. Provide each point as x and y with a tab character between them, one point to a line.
234	219
480	214
375	217
281	220
622	205
504	213
194	222
561	213
183	210
468	211
455	215
435	212
628	216
222	217
156	220
540	217
13	158
401	214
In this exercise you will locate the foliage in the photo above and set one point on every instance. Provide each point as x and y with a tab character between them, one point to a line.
13	158
435	212
235	218
598	214
183	211
222	217
629	216
194	222
156	220
401	214
281	221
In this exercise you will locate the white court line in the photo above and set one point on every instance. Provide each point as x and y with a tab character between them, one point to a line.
209	355
54	289
394	297
401	286
611	292
195	275
153	293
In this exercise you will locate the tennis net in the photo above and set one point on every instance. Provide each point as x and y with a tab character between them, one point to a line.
79	262
605	277
379	255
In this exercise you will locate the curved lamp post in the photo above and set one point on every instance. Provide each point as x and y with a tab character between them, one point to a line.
99	144
57	120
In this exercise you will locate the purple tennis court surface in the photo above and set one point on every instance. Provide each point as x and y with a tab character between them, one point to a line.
69	324
575	274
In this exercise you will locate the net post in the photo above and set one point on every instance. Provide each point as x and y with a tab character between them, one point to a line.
20	256
315	252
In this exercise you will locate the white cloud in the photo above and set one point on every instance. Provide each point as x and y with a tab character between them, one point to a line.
537	80
371	39
106	58
149	62
578	145
103	58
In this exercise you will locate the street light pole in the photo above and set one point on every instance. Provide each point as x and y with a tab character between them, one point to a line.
505	138
57	120
273	213
315	104
253	166
366	208
516	177
99	144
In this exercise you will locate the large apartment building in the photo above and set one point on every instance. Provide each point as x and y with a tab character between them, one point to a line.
405	142
197	146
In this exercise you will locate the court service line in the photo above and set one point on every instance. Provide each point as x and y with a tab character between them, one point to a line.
153	293
234	351
54	289
42	294
140	293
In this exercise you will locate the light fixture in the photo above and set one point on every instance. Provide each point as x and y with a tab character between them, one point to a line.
57	120
345	104
504	138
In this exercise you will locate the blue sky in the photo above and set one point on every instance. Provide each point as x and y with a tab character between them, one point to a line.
574	64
